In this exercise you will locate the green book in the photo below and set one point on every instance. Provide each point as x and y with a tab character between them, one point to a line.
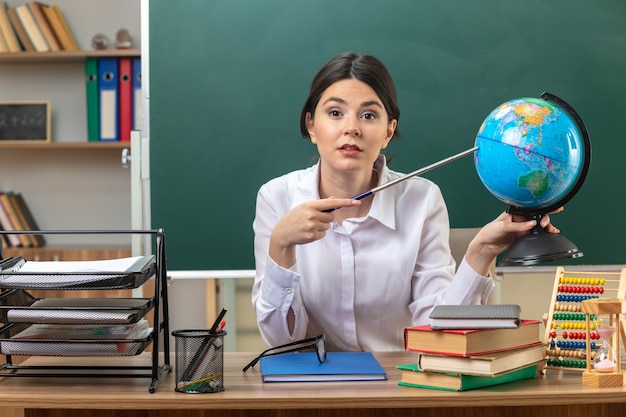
93	111
412	376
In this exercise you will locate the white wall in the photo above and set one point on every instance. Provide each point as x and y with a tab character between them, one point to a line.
531	290
532	287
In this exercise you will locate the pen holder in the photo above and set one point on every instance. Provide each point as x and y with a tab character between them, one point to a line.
199	361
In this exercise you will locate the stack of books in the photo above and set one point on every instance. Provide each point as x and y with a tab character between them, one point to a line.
475	355
15	215
34	27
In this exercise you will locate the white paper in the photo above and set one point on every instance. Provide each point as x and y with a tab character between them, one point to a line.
50	274
109	265
68	316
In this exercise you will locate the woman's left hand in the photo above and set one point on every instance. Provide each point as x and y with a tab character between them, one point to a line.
498	235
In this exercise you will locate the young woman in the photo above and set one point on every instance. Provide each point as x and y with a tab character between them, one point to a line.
361	273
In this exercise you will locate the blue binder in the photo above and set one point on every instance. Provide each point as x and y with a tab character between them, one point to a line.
108	99
137	98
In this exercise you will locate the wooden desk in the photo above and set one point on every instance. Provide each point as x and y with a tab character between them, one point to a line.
556	394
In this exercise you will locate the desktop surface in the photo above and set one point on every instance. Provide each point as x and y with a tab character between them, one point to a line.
245	394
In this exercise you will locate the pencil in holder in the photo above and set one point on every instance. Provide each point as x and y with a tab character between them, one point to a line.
199	361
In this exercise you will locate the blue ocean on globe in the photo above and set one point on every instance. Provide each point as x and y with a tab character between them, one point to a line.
530	153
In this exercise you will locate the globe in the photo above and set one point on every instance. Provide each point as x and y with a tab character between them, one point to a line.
531	154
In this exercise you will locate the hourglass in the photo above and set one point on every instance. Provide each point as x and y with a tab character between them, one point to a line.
606	371
605	359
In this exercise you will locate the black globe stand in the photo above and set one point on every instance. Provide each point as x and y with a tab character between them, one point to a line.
538	247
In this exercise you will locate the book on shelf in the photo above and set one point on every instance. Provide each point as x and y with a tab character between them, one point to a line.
61	30
8	32
32	29
20	203
412	376
36	9
67	28
11	240
305	367
20	218
20	31
15	220
32	241
3	44
489	364
465	342
476	316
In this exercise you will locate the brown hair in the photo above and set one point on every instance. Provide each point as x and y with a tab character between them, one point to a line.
350	65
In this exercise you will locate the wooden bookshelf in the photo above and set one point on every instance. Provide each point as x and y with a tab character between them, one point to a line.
70	163
64	56
16	144
48	66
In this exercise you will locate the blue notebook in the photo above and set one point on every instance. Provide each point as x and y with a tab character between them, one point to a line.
338	366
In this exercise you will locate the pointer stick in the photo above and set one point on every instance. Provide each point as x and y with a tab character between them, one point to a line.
412	174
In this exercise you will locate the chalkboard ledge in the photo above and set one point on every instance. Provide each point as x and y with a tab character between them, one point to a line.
503	270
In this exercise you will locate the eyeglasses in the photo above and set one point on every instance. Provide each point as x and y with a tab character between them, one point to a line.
318	343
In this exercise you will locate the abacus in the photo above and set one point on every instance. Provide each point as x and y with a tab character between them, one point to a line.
565	333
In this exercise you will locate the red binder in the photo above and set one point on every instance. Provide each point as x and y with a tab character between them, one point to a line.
125	107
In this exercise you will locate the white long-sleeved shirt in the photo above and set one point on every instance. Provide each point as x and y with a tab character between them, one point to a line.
369	277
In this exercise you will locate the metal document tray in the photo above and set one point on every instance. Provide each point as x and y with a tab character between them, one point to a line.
65	347
84	280
77	310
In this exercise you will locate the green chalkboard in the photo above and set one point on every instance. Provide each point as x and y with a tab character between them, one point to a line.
228	79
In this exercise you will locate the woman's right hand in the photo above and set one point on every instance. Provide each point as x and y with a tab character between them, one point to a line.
303	224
